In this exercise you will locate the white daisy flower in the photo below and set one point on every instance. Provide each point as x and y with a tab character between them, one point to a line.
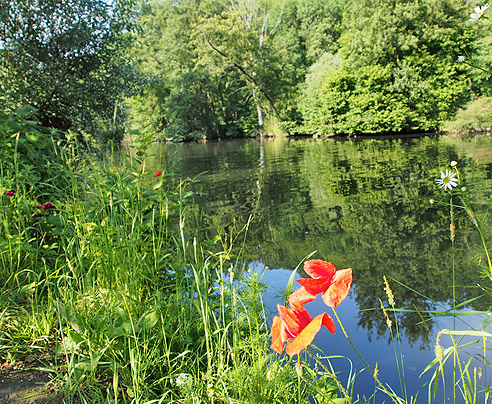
478	12
447	180
181	379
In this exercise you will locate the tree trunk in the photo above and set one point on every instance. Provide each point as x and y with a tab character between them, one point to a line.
260	114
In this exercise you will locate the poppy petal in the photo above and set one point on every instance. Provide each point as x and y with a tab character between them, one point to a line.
300	312
302	296
277	332
315	286
290	321
306	336
319	268
339	289
328	322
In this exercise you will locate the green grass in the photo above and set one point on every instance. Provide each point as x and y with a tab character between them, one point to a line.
117	299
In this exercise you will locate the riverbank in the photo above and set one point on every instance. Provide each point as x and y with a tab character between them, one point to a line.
107	283
101	274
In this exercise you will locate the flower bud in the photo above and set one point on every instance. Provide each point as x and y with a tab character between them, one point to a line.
299	369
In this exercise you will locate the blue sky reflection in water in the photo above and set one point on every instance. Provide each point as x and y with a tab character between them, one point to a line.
381	350
359	203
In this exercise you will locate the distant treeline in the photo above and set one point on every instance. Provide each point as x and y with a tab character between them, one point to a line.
190	69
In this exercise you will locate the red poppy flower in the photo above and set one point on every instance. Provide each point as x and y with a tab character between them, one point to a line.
301	295
296	324
325	279
9	193
157	173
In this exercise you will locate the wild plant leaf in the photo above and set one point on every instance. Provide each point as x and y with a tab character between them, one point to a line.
149	320
127	327
435	381
290	284
55	220
118	332
467	302
27	288
470	333
75	337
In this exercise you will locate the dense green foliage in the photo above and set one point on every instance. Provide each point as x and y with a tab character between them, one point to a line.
219	68
208	69
67	60
476	116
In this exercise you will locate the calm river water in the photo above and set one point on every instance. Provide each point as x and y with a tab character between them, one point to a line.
363	204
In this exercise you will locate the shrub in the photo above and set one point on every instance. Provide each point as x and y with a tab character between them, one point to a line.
477	115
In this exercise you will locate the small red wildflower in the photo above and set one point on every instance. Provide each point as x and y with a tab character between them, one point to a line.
157	173
48	205
47	237
9	193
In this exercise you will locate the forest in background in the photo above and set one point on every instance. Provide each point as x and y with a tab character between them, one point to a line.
203	69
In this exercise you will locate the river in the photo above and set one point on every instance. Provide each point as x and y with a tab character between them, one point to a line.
369	204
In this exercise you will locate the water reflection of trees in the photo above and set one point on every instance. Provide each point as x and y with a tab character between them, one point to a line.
411	247
394	231
360	204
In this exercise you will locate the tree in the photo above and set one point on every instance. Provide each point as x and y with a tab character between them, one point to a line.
240	36
65	58
206	74
398	58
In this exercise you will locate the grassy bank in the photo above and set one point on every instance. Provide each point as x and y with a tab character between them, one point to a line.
104	286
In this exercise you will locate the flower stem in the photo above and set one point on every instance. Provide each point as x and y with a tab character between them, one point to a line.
381	385
333	376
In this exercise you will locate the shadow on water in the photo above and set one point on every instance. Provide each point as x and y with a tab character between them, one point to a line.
363	204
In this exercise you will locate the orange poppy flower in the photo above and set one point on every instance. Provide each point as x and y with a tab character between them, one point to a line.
325	279
296	324
157	173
